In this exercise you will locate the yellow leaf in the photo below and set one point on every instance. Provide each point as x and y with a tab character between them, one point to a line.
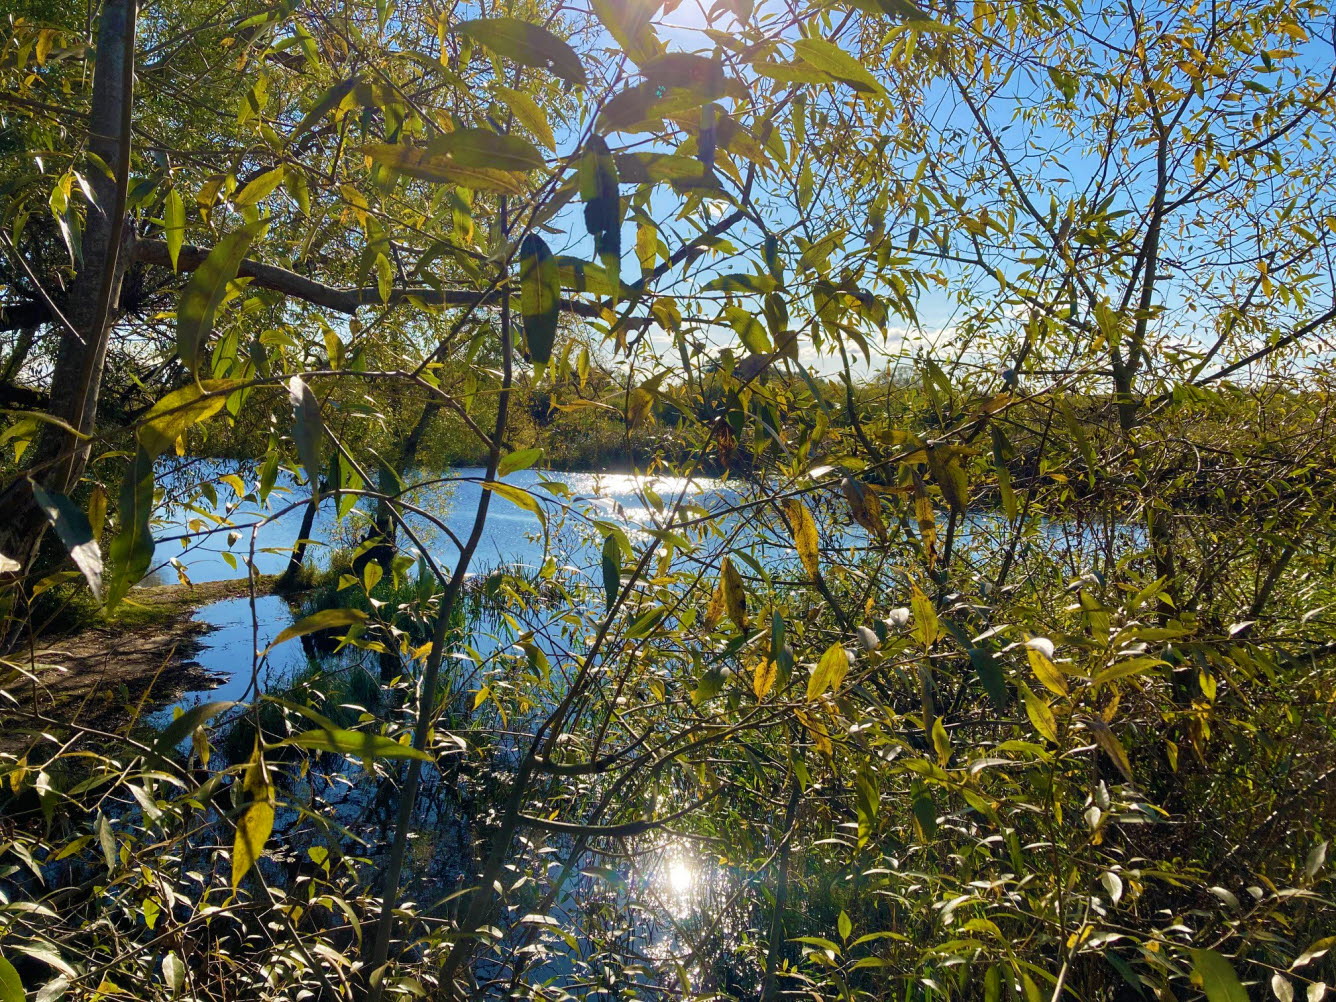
735	595
1112	747
820	735
864	507
941	742
763	677
927	521
830	671
718	605
253	830
1046	671
944	463
804	535
1040	715
927	628
180	410
422	164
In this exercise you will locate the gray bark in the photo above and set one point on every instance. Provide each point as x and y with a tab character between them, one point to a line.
59	456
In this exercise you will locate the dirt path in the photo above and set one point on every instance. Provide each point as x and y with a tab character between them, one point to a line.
108	674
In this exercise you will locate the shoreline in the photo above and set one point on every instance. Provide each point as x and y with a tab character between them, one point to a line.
110	675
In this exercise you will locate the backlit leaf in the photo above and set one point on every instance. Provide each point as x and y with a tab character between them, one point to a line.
528	113
424	165
488	149
764	673
735	593
521	459
174	225
308	430
805	537
326	619
540	297
830	59
527	44
179	411
358	744
829	672
612	570
254	827
204	292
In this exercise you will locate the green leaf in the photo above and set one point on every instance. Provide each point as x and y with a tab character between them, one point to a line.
328	101
528	45
204	292
612	569
925	813
517	496
709	686
540	297
308	430
259	188
829	672
486	148
254	827
751	332
174	228
1041	716
72	527
180	410
107	841
588	276
181	728
528	113
602	203
988	669
426	166
519	460
646	622
174	972
11	988
359	744
628	22
741	284
834	61
326	619
1217	976
131	549
1046	671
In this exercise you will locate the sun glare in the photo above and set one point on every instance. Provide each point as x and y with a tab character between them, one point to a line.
681	875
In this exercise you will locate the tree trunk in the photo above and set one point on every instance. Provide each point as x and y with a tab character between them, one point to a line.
289	577
60	457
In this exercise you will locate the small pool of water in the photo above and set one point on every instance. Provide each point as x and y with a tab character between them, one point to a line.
262	534
236	631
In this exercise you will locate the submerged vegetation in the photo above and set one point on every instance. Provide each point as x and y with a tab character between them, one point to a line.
961	629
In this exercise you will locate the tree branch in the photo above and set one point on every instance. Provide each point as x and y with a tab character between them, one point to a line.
267	276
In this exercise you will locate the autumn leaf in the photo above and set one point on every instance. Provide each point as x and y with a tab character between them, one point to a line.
804	536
